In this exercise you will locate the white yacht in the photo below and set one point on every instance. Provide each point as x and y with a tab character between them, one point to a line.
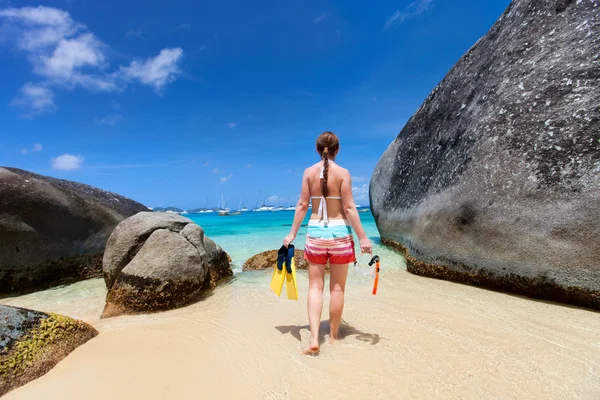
222	210
240	208
263	208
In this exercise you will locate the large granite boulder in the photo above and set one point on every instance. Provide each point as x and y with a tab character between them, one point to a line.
495	180
32	342
53	231
159	261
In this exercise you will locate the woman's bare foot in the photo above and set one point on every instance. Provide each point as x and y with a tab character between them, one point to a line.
334	335
311	351
313	348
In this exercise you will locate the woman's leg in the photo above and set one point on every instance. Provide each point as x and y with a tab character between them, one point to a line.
337	286
316	276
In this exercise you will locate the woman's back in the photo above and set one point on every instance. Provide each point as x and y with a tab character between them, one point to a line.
336	176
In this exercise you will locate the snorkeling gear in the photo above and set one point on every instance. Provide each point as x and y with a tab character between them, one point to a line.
375	260
285	256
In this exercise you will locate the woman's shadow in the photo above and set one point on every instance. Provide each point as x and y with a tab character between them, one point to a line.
346	330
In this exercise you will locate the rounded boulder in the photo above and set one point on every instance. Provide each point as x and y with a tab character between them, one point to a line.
159	261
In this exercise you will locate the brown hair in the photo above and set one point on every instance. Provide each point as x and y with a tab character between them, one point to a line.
327	144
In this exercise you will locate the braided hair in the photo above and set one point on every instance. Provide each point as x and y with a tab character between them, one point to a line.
327	144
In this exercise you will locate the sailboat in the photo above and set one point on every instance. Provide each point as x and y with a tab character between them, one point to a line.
263	206
291	208
240	208
205	209
277	206
223	210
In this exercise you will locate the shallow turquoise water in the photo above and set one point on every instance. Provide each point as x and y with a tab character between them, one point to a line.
249	233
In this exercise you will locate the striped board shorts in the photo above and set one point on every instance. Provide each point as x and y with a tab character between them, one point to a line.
331	241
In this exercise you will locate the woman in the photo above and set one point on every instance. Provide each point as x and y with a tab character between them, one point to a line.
328	237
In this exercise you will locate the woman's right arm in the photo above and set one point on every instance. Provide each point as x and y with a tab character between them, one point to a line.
352	214
301	209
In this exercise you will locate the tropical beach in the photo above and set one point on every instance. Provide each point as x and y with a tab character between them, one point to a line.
182	187
417	337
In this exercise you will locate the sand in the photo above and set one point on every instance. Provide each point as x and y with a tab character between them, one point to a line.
418	338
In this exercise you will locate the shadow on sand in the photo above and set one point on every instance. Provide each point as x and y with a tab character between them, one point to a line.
346	330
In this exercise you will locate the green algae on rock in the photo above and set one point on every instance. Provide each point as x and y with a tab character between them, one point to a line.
540	287
32	342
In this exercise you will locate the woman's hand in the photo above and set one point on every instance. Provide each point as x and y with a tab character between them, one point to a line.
289	239
365	246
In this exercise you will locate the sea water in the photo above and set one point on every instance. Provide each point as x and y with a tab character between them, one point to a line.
250	233
241	236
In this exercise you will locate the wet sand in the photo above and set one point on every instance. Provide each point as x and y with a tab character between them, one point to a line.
418	338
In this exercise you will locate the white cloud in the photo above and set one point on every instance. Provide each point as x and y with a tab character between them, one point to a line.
231	125
206	164
248	165
35	99
36	28
135	33
275	199
67	55
390	21
157	71
414	9
225	178
361	193
36	147
67	162
320	18
216	171
110	120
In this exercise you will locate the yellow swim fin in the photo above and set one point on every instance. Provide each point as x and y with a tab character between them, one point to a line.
279	272
291	285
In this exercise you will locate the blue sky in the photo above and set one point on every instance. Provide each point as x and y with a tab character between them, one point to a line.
177	103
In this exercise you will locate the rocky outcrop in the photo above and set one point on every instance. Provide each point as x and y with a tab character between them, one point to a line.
159	261
495	181
268	259
32	342
53	231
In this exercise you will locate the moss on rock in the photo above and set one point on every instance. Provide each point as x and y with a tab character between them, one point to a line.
40	349
538	287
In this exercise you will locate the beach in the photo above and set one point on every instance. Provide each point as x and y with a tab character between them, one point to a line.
471	132
417	338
